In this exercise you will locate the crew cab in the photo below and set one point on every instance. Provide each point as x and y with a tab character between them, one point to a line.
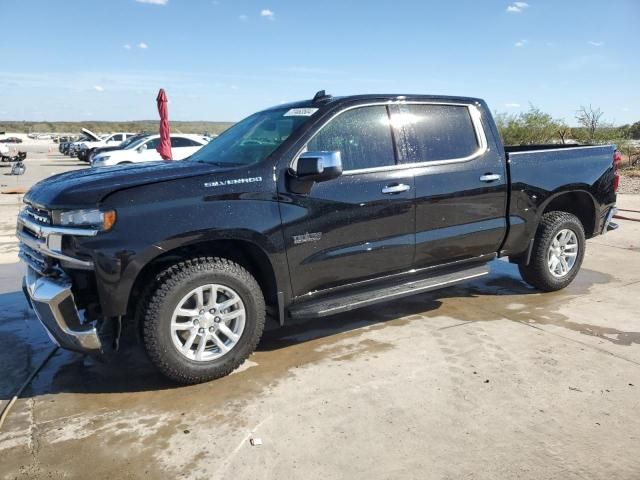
144	150
301	211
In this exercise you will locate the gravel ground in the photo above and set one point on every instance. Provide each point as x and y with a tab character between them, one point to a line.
629	184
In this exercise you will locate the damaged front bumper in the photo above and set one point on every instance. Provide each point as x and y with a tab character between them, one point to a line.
55	307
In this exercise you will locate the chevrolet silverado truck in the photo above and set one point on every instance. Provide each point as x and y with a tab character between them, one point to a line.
299	211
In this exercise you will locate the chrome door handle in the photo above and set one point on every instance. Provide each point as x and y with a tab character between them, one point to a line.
401	187
490	177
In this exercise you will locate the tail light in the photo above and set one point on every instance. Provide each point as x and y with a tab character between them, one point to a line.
617	160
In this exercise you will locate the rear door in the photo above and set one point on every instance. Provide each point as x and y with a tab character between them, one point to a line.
460	181
360	225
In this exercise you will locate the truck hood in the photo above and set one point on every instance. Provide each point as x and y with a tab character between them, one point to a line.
87	187
93	136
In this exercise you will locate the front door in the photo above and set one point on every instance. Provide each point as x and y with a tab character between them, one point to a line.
360	225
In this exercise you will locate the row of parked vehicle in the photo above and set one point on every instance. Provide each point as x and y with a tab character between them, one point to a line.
125	147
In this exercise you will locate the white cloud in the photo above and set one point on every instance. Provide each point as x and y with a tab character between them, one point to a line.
98	88
267	13
512	105
517	7
595	44
127	46
520	43
243	18
143	45
154	2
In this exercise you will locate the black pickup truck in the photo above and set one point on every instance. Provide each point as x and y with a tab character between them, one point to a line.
302	210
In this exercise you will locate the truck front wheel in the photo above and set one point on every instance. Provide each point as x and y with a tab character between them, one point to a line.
558	251
203	320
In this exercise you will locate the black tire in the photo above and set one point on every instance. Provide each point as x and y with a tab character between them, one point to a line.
537	273
178	281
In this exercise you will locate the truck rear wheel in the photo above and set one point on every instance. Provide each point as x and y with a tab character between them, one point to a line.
203	320
558	251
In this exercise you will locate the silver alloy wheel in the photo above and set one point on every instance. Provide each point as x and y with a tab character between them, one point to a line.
562	253
208	322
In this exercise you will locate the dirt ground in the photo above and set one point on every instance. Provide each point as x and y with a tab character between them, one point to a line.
488	380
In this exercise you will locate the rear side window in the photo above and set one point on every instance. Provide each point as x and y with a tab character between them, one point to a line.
436	132
362	135
116	138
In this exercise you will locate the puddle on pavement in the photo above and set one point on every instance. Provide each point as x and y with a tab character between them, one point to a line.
508	296
500	295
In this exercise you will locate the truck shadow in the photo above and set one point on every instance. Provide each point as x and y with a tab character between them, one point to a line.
500	296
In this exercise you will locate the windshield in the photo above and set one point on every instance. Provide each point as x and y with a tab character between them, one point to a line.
254	138
130	141
135	144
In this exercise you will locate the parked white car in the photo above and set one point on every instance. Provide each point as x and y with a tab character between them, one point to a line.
182	146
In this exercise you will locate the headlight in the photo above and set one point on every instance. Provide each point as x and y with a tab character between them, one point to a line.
85	218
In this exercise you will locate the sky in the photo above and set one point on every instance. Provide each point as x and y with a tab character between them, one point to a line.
222	60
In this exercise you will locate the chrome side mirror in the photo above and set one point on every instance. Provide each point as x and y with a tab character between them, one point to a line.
319	166
313	167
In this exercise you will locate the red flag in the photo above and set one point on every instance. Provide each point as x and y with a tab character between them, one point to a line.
164	146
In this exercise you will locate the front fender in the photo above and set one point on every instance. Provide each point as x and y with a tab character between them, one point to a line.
149	225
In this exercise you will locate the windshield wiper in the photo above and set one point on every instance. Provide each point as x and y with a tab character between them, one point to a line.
222	164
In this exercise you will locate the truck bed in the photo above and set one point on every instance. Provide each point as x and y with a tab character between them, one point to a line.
540	173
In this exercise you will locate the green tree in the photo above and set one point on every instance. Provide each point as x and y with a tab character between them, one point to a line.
530	127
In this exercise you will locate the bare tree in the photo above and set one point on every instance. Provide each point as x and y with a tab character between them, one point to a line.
590	119
564	130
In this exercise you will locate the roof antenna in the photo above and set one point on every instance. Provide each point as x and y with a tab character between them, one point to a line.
321	96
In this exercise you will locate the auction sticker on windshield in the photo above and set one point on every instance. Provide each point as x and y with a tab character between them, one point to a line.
300	112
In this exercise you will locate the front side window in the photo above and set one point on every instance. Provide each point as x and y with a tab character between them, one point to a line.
153	143
436	132
362	135
116	138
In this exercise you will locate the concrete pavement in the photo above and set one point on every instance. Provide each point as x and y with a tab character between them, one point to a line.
487	380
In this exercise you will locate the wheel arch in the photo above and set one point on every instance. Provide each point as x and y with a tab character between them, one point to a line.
577	202
242	251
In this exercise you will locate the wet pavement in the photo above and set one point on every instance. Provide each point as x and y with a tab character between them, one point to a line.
485	380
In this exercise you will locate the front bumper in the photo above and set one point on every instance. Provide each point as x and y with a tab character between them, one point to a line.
55	307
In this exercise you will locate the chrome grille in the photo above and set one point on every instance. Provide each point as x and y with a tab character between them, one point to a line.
32	258
31	237
38	215
36	232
